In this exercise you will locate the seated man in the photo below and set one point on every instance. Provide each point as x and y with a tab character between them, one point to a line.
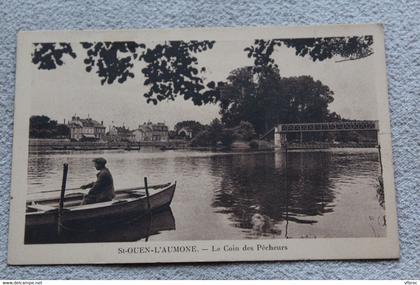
103	189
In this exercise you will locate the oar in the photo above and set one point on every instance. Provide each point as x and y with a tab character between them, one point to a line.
148	206
380	158
147	193
63	190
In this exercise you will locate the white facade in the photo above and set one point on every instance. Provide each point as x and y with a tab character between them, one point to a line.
151	132
86	129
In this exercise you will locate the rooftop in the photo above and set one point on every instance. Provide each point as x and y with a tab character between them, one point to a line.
89	122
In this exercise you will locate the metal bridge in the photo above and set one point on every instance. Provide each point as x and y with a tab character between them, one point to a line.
329	127
282	130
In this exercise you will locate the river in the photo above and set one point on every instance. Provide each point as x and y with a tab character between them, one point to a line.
314	194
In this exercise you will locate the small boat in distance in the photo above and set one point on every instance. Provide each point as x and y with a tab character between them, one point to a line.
132	147
43	209
163	148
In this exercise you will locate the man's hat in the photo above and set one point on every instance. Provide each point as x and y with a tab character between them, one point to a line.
100	160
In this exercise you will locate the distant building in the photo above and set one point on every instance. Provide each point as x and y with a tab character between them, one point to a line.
143	133
121	134
185	132
158	132
86	129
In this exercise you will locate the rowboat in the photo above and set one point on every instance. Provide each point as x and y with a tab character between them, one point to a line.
163	148
43	210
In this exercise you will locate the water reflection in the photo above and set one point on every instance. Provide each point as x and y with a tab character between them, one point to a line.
264	193
129	230
243	195
259	193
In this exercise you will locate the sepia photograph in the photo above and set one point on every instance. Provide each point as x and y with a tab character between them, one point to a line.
147	137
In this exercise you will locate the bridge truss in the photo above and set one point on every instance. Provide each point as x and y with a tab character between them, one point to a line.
298	132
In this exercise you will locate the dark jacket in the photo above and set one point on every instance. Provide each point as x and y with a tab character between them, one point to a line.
102	189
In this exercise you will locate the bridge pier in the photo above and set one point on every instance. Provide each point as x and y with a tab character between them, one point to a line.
280	160
280	139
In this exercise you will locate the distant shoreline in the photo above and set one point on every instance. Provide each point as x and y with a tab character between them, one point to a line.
52	145
39	145
59	145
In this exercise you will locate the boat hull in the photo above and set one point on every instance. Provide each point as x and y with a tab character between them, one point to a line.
97	214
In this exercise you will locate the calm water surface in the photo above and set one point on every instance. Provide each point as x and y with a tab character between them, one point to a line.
240	195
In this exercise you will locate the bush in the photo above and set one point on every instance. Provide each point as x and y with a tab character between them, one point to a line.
227	137
203	138
253	144
245	131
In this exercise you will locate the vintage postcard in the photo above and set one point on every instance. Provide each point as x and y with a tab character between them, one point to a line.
195	145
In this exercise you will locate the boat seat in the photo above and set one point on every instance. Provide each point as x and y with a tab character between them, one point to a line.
39	207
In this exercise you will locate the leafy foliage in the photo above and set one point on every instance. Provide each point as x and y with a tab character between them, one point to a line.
212	134
349	48
244	131
194	126
325	48
227	137
112	60
253	144
49	55
43	127
268	99
172	70
249	97
215	129
201	139
307	99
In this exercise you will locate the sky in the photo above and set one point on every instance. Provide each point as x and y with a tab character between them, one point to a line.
69	90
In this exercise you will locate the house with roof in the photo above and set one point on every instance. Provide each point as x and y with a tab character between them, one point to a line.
185	132
121	134
86	129
148	131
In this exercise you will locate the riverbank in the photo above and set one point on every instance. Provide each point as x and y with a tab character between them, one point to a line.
51	145
48	145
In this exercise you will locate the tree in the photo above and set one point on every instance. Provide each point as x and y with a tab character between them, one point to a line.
212	134
307	99
250	97
266	99
194	126
203	138
49	55
40	127
62	131
172	70
238	98
245	131
227	137
348	48
44	127
112	60
215	130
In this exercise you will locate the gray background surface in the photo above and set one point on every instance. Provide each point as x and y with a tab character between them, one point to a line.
402	26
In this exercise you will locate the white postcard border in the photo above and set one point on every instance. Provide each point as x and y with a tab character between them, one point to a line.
297	249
